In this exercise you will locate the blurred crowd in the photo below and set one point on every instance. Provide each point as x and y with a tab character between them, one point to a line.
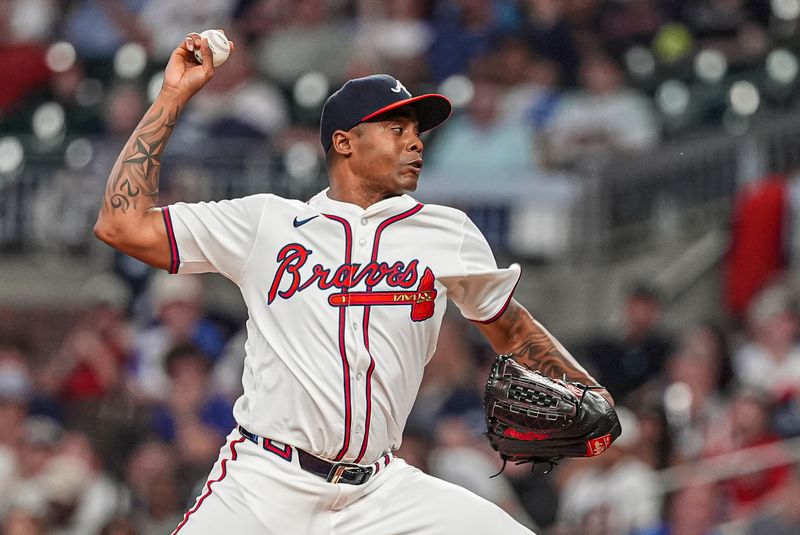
538	84
112	416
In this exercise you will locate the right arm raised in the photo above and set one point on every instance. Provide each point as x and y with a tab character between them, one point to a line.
129	219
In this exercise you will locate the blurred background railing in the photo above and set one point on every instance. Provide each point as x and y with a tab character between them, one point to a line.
611	204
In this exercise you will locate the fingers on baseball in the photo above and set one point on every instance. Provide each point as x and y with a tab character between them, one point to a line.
188	45
208	57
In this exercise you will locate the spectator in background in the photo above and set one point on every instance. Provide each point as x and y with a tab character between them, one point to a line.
656	438
24	71
479	142
770	359
392	37
691	392
97	28
169	22
549	34
604	116
625	23
86	368
449	376
68	89
253	19
16	389
178	307
189	396
191	417
313	41
123	101
460	458
746	425
757	253
531	85
106	298
39	446
627	361
613	493
80	497
86	384
88	365
463	31
151	475
693	510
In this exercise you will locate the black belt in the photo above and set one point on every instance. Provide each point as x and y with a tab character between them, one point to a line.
348	473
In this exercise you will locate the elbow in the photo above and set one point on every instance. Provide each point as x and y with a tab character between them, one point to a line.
105	232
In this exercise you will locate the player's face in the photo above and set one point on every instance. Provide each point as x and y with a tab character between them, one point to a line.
388	153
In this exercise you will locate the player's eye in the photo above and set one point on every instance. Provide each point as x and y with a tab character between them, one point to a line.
398	129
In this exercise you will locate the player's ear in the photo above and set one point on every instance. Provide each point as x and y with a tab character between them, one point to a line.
342	142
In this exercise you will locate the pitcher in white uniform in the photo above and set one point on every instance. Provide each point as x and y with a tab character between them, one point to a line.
345	294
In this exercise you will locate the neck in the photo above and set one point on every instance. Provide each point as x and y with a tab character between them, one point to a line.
345	186
358	196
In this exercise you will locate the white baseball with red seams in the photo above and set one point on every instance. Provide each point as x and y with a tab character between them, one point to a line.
219	45
345	306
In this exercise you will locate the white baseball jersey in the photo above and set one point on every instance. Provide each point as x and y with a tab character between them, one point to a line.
345	306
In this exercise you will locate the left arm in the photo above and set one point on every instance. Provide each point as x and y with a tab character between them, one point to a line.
516	332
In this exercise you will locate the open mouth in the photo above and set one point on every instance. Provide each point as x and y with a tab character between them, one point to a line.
416	164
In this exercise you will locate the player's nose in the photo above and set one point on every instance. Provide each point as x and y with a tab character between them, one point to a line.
416	144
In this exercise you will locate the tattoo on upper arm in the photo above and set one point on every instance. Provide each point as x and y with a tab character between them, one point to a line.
135	174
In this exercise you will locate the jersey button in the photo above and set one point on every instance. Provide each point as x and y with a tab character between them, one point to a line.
359	375
364	221
362	242
355	325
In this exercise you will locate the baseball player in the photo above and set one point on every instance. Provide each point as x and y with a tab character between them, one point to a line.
345	294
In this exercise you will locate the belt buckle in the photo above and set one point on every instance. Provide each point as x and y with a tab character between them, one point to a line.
339	470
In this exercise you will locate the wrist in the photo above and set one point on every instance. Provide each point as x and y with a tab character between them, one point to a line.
172	96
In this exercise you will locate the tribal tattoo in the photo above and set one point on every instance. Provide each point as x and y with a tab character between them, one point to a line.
133	183
541	351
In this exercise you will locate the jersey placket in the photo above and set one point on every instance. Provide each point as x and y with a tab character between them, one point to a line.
358	319
366	244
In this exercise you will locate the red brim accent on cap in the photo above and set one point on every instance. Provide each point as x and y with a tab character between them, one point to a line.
432	110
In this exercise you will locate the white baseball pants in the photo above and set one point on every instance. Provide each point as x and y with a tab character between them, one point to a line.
251	490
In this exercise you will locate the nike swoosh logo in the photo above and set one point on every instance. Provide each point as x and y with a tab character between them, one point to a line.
301	222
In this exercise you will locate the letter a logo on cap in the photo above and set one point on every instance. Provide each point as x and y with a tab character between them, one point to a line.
399	87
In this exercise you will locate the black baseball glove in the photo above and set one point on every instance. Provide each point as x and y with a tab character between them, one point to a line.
533	418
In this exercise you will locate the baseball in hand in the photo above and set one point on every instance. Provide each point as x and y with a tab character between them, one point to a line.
219	45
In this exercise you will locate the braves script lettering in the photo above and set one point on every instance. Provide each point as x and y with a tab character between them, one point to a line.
291	258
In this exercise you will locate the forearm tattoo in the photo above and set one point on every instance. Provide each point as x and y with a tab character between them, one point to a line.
133	182
541	351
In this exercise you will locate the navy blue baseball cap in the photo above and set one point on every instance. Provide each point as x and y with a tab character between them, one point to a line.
362	99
